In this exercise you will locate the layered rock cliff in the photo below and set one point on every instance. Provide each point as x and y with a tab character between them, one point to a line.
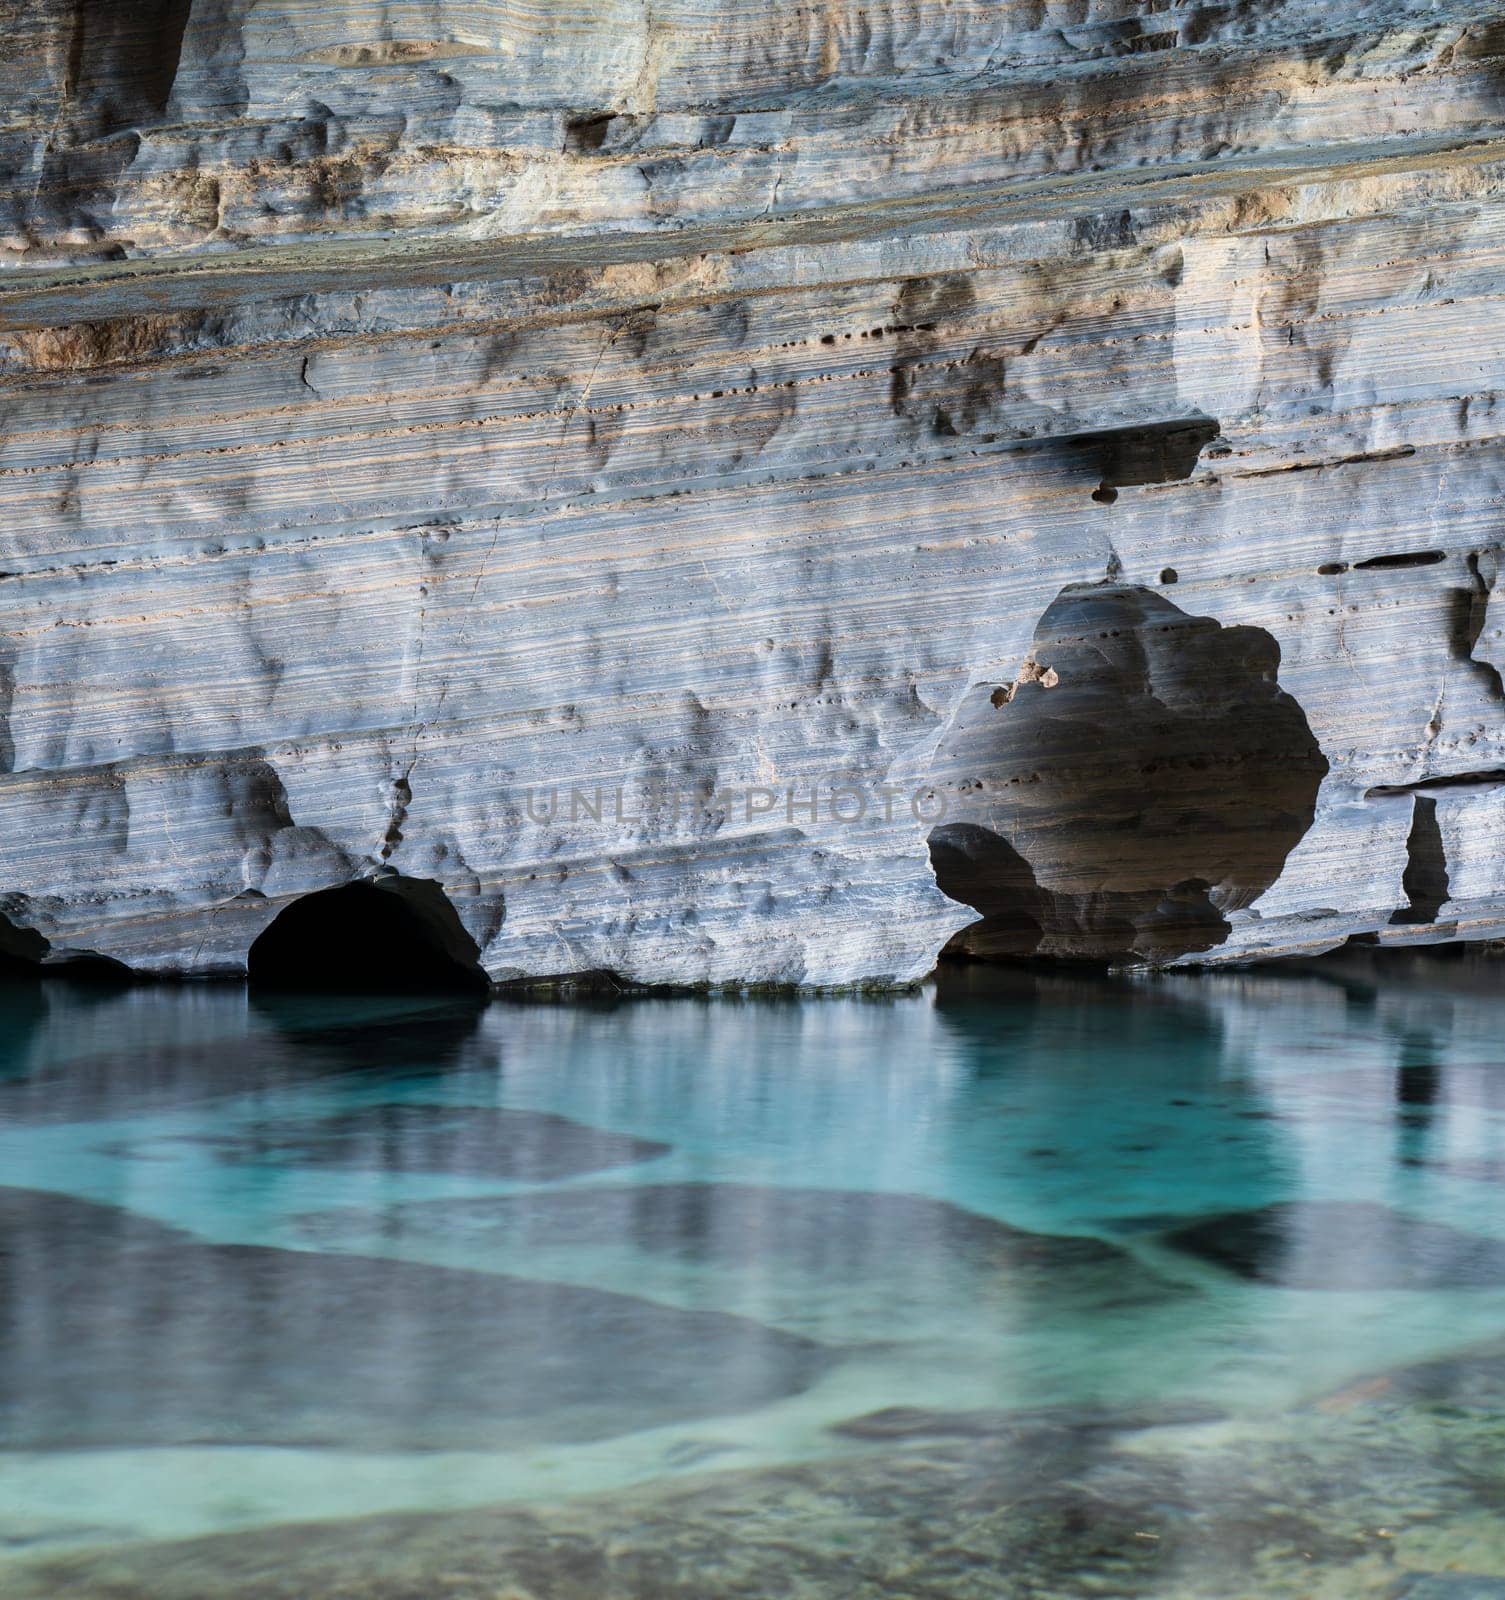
737	494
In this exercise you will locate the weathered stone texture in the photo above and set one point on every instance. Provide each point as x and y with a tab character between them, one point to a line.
408	408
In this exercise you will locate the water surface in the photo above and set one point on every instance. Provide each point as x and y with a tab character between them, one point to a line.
1018	1285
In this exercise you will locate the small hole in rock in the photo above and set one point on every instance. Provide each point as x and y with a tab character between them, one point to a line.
1105	494
1168	574
585	134
1330	569
1409	558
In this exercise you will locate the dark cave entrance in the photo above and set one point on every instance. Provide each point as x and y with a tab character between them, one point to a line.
21	949
397	935
26	957
1143	775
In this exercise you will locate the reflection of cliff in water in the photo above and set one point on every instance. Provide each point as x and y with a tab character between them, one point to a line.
71	1050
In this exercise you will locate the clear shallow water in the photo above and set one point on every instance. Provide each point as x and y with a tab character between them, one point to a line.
1197	1283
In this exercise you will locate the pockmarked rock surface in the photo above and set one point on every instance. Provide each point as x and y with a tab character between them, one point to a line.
176	1341
741	494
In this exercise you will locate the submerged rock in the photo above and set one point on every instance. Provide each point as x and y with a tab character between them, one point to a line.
21	1532
1048	1513
1471	1380
845	1232
901	1249
1342	1244
1449	1586
419	1136
913	1422
119	1331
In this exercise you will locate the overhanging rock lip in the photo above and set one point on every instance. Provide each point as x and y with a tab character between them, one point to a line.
161	285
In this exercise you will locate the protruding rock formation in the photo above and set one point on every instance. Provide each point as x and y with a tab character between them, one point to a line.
1141	777
582	461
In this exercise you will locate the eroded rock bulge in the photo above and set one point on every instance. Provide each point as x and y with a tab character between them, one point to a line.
1143	774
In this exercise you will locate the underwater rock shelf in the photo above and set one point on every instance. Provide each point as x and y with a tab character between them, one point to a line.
1061	1501
541	465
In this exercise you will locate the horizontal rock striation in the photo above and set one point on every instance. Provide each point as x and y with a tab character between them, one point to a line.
697	484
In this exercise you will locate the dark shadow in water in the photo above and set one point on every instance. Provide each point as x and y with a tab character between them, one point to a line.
1434	971
275	1041
23	1009
1476	1170
418	1035
1342	1244
117	1331
978	999
1037	1017
1418	1088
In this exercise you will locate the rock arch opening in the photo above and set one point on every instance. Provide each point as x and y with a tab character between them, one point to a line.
1143	775
1425	880
391	935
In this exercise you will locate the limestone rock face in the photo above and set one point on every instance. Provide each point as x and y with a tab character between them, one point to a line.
696	483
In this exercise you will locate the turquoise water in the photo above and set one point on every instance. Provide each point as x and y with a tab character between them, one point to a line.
285	1262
